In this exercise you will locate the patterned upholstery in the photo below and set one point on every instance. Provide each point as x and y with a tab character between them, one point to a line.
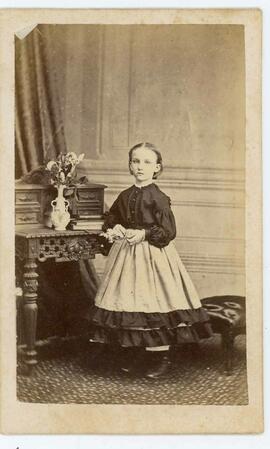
228	318
226	311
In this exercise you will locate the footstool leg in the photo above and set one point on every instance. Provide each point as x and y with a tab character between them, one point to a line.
227	343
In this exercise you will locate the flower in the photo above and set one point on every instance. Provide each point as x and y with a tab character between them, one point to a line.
50	165
63	169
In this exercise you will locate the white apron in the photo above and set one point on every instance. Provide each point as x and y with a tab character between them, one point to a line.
144	278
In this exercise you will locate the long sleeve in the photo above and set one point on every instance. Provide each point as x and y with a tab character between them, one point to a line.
111	218
146	208
161	233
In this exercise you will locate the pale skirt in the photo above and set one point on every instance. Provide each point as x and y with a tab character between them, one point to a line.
144	278
146	298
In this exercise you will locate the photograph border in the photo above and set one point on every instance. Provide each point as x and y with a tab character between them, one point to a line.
130	419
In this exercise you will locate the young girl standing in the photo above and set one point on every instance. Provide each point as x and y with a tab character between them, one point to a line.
146	298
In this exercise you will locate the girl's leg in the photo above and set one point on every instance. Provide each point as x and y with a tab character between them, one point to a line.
132	359
161	363
126	358
158	348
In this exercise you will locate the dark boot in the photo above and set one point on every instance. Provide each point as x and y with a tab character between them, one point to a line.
160	367
131	360
126	360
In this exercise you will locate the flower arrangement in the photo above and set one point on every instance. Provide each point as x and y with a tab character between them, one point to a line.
62	171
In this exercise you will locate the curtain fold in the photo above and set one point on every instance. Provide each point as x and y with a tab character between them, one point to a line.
65	289
39	126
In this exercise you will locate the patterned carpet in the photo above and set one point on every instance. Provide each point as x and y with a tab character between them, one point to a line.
77	372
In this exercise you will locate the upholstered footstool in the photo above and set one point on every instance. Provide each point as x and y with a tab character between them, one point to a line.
228	318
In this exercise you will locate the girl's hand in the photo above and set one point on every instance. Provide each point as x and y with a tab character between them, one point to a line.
135	236
119	231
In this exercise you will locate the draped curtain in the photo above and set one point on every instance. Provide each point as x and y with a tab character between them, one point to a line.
65	289
39	124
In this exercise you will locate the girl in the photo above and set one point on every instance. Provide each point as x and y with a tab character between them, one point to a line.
146	298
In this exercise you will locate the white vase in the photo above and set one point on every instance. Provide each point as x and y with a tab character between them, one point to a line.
60	216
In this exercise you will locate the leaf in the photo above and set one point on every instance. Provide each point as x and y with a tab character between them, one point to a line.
83	180
50	164
80	157
69	192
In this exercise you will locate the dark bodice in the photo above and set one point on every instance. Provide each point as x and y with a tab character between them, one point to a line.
144	208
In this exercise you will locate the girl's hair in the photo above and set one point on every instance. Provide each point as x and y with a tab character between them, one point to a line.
151	147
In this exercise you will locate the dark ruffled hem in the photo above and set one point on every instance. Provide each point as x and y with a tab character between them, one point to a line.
130	320
149	329
150	338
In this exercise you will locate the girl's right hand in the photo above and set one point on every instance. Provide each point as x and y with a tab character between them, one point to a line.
119	231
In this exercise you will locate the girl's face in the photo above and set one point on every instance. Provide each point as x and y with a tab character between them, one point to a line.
144	164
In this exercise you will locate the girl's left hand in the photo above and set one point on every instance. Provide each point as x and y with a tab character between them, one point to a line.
135	236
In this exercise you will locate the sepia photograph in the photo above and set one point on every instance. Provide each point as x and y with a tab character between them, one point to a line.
130	215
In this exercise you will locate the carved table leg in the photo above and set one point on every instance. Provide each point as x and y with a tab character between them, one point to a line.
30	308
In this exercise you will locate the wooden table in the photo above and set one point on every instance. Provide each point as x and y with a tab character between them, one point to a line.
40	244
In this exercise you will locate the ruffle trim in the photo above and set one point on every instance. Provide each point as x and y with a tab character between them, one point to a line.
149	329
131	320
149	338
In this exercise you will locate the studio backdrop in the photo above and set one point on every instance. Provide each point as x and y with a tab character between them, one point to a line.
99	90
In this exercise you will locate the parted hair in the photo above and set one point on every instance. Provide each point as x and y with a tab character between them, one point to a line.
149	146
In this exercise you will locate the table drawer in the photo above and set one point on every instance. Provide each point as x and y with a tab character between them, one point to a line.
89	196
27	197
27	217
